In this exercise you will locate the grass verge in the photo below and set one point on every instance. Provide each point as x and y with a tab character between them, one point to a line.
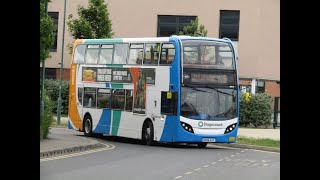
258	142
54	124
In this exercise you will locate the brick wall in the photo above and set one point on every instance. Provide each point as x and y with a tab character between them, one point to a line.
65	74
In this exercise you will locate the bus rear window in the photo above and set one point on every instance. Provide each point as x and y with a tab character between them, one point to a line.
79	54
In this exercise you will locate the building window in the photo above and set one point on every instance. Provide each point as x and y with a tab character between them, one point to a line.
260	88
172	25
229	24
50	73
55	17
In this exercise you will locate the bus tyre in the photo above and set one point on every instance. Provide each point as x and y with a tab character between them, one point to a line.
87	126
202	144
147	133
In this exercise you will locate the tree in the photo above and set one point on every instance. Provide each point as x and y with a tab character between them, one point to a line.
46	31
93	22
194	29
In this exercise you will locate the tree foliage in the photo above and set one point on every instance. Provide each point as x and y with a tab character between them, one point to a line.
93	22
52	90
257	111
194	29
46	31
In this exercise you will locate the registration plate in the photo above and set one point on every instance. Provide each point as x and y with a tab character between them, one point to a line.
208	140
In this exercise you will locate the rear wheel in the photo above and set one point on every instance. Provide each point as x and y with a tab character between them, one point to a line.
202	144
87	126
147	133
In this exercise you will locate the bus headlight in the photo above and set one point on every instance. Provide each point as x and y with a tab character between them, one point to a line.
186	127
230	128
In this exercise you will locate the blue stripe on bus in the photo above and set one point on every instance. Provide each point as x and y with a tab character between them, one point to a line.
69	125
107	85
103	126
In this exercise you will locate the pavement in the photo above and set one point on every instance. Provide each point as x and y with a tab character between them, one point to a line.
64	141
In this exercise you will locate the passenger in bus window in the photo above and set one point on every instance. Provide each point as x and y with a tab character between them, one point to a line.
219	61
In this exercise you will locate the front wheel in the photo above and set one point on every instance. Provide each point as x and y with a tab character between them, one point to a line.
202	145
147	133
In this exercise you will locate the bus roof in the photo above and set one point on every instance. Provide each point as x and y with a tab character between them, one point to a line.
145	39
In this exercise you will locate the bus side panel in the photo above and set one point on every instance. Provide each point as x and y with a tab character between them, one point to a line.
170	125
127	124
75	121
103	126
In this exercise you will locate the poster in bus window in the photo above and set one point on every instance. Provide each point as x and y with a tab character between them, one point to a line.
89	74
139	91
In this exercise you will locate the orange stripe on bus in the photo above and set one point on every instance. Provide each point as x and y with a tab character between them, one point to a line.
73	108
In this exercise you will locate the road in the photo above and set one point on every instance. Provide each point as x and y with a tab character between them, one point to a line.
131	160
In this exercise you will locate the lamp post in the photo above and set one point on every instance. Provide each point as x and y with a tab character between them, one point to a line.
61	67
42	78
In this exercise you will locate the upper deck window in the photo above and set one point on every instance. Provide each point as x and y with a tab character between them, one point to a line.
167	53
120	54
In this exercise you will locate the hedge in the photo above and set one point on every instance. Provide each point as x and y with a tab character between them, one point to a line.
257	111
52	89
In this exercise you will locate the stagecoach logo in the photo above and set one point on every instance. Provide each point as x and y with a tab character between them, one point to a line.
204	124
186	76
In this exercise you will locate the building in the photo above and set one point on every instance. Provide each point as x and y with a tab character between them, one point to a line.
253	25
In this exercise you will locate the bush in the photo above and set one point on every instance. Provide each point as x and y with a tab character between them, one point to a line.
52	89
257	111
47	117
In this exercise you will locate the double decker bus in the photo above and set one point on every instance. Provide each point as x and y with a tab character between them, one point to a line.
177	89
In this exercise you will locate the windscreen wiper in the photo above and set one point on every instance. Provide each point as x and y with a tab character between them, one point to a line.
222	92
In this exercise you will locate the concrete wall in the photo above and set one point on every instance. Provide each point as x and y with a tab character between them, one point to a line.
259	33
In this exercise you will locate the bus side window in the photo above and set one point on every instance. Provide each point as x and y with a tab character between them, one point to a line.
89	98
151	54
92	54
118	99
80	91
169	102
135	54
129	99
167	53
103	98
